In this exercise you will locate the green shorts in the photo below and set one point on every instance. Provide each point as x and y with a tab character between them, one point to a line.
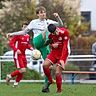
38	41
39	44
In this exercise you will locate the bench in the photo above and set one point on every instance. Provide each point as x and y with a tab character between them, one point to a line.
74	73
79	58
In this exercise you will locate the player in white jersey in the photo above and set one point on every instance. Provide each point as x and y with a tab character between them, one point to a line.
39	28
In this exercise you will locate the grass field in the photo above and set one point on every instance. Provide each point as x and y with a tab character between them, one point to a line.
34	89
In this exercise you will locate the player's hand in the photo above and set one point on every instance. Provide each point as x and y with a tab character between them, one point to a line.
8	35
56	14
62	64
31	48
55	45
18	51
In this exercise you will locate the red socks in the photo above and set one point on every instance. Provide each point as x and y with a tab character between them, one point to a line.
59	82
48	74
19	77
15	73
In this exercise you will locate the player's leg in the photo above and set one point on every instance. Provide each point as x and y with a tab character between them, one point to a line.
58	79
47	72
12	74
22	64
39	44
18	78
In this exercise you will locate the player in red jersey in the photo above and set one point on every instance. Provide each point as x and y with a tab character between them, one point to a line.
59	43
19	44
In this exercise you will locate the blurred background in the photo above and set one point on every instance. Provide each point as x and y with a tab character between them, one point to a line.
78	16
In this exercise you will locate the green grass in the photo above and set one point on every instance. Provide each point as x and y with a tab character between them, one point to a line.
33	89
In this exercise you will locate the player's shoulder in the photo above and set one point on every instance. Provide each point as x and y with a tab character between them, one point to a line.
62	30
35	20
50	36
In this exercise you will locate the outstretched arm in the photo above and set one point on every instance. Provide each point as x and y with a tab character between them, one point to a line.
23	32
60	22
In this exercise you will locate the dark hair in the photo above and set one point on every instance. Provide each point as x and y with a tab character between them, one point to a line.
51	28
40	8
24	23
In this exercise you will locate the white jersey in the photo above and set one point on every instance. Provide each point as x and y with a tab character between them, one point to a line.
38	26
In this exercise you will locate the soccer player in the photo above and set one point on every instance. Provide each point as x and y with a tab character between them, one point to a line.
39	28
60	50
19	44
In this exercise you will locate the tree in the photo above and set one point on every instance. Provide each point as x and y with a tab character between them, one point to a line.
13	14
69	12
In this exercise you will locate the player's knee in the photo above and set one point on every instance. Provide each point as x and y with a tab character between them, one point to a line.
23	70
57	73
45	65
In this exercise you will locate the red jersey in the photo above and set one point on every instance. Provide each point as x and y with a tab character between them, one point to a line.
20	42
62	38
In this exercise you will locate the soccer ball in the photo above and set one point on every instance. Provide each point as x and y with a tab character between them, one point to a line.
36	54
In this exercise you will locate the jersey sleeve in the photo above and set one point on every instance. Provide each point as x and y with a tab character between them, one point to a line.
12	43
25	31
29	46
65	50
31	25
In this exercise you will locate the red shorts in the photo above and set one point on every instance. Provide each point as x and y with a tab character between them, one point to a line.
20	61
54	56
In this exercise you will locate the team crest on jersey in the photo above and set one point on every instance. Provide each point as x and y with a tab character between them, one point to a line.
60	38
22	38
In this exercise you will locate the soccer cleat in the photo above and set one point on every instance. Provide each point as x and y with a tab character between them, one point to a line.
15	84
46	88
8	78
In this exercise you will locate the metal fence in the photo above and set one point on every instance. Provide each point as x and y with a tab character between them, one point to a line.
71	58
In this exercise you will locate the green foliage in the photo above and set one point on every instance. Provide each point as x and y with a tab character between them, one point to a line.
8	67
14	13
24	10
1	48
82	44
69	15
32	75
12	18
71	67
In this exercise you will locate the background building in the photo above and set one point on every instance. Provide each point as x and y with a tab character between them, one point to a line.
88	10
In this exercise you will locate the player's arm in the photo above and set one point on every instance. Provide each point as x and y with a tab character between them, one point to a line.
23	32
65	50
12	43
29	47
49	41
59	21
20	32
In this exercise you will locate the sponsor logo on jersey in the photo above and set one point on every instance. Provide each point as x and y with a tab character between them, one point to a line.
60	38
